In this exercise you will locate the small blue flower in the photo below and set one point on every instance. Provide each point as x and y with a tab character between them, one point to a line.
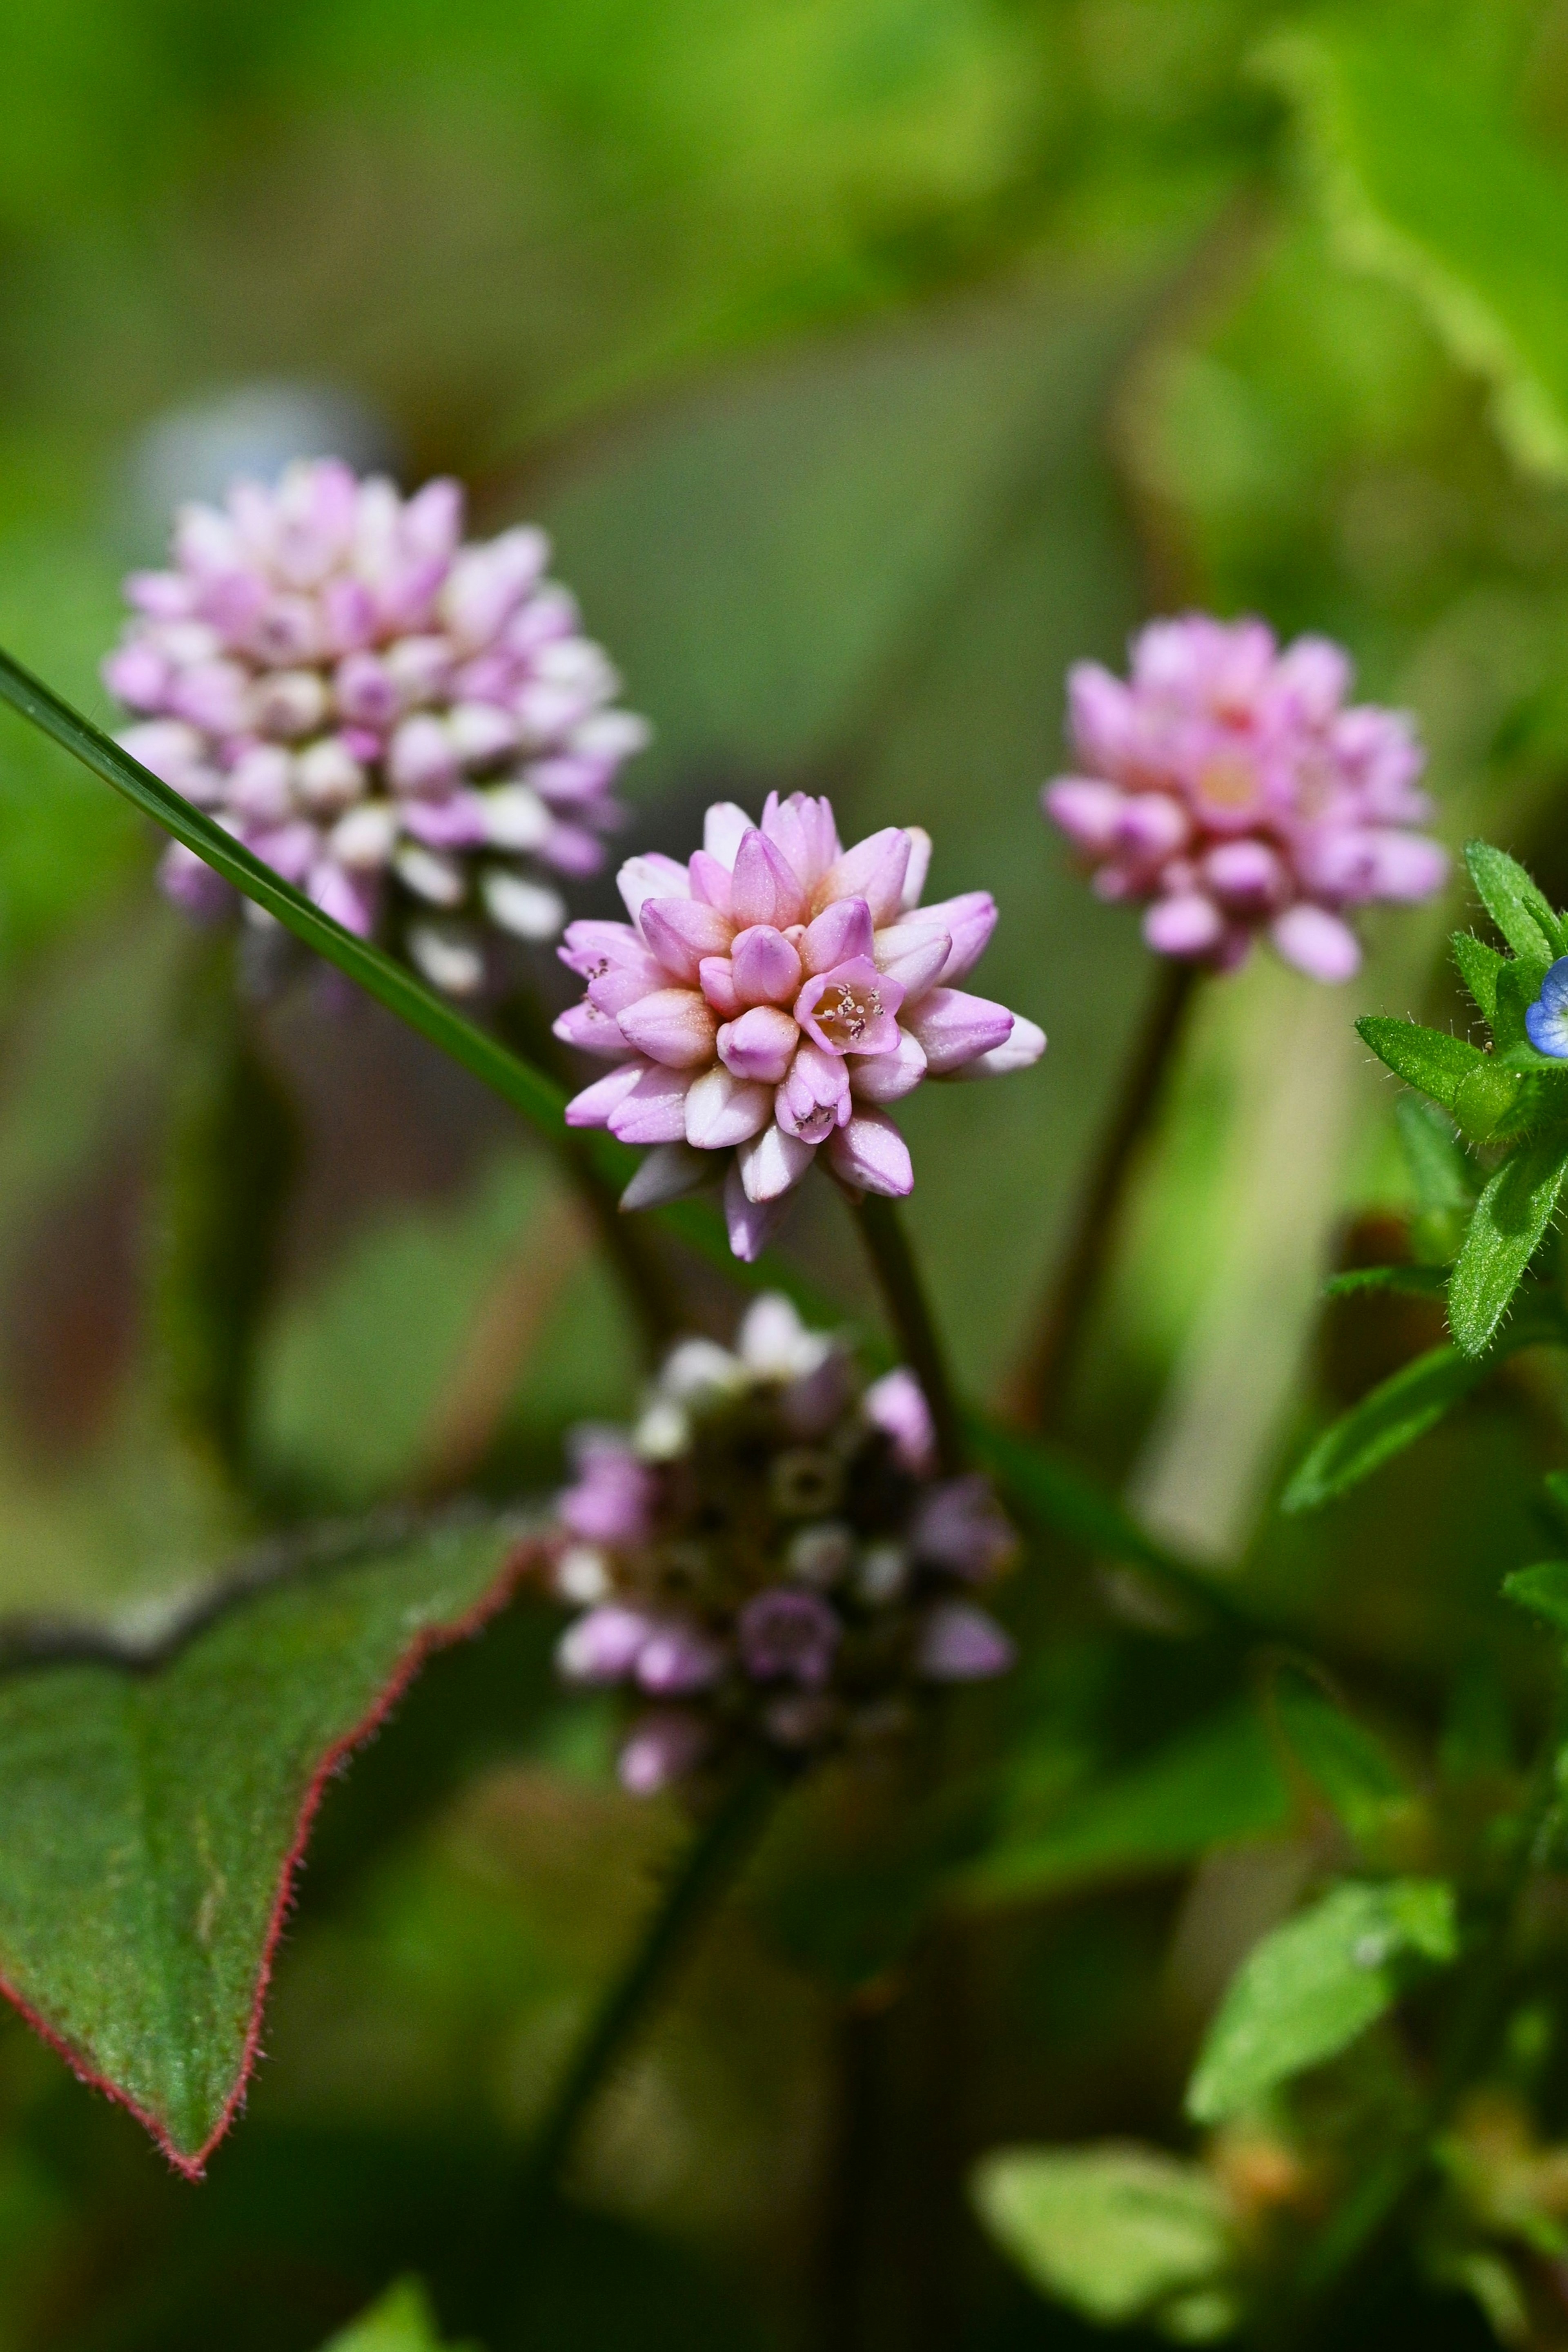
1547	1019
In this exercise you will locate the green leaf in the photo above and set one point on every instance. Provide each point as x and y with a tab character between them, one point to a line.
1480	968
403	2321
1442	1175
1115	2231
1431	1059
1511	1218
228	1153
1543	1588
1345	1761
1518	986
1429	186
1306	1991
1207	1787
1521	911
154	1801
1396	1412
1414	1281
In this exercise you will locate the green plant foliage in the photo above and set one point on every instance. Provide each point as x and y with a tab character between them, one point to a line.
1543	1588
1393	1415
1311	1987
1220	1781
1118	2234
1344	1761
403	2321
1429	186
153	1804
1512	1216
1442	1177
1428	1058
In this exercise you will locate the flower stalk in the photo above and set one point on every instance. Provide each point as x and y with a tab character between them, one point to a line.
909	1311
714	1858
1041	1385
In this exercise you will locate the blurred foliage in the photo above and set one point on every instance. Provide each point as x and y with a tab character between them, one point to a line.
869	360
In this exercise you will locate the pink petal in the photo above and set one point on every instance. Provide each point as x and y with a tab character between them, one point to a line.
969	920
716	976
710	881
669	1173
722	1110
674	1026
725	827
953	1027
815	1097
767	969
873	870
888	1078
1317	943
662	1747
681	932
803	828
869	1155
896	1405
915	952
761	1044
840	932
590	946
1186	925
752	1224
1023	1046
654	1109
591	1032
772	1164
1247	877
764	888
593	1106
870	1027
651	876
960	1644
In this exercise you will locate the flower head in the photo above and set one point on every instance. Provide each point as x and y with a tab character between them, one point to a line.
412	730
768	1556
769	999
1227	789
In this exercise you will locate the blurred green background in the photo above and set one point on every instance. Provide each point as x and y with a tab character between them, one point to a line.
869	360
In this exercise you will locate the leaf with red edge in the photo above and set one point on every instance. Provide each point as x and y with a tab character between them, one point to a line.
154	1803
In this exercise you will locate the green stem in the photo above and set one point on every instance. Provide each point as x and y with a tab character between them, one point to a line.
909	1311
1041	1388
713	1858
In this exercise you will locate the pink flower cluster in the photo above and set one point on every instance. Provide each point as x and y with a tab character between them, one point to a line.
769	999
1228	788
768	1556
412	730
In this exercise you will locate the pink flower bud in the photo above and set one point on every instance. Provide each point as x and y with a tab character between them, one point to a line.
663	1746
953	1028
960	1644
873	870
840	933
682	931
672	1025
763	887
868	1154
761	1044
603	1646
765	967
722	1110
1317	942
677	1659
655	1110
896	1404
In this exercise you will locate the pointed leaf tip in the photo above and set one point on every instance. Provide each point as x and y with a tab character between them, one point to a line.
152	1818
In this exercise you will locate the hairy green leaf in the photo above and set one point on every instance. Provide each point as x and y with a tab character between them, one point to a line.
1543	1588
1308	1990
1521	911
1413	1281
403	2321
154	1803
1432	1059
1426	185
1398	1412
1208	1785
1511	1218
1117	2232
1480	968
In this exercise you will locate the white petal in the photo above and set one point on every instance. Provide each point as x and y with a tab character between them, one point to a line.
670	1171
450	959
772	1163
722	828
429	874
528	909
